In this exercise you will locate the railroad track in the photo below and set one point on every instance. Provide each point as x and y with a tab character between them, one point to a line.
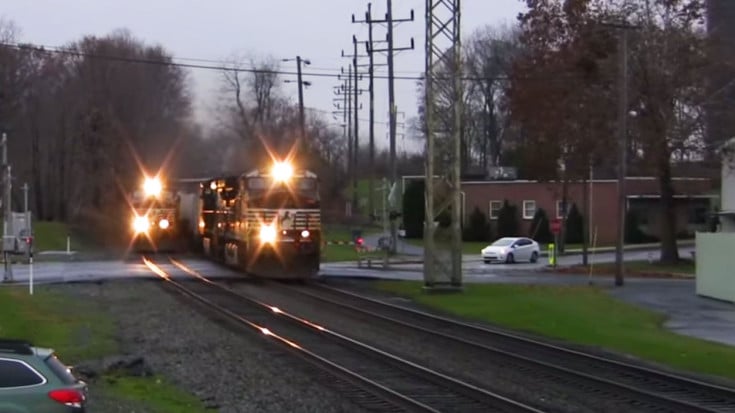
376	379
625	384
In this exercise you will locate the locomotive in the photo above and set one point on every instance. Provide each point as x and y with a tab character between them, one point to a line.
266	222
154	217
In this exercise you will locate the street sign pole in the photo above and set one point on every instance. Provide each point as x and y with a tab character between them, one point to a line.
556	230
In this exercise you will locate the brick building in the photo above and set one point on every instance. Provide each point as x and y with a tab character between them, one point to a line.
694	199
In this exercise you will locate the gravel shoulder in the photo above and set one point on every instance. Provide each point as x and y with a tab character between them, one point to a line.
228	371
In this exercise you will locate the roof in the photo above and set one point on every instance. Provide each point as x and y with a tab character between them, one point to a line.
677	196
14	346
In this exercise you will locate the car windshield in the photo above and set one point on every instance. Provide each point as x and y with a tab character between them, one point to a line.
503	242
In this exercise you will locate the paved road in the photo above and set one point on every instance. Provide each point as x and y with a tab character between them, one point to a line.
474	264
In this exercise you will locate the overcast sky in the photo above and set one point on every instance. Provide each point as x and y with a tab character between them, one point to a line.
215	29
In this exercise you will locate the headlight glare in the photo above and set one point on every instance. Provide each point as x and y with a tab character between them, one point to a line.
267	234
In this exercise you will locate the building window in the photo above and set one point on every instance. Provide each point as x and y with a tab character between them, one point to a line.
529	209
561	209
495	207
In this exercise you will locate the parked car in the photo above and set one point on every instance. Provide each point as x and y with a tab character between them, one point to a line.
34	380
510	250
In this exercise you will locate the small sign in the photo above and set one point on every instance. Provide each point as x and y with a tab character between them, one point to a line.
556	226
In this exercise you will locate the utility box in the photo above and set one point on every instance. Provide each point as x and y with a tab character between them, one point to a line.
10	244
20	242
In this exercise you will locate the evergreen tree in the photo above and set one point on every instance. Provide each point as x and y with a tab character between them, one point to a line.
575	226
508	222
413	209
540	230
478	228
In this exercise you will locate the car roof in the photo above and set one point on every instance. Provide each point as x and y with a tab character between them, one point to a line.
22	348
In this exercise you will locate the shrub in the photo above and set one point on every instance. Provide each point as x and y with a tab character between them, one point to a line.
508	222
633	233
478	228
413	209
575	226
540	230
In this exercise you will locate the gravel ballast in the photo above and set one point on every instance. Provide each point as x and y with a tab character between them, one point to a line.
437	354
227	370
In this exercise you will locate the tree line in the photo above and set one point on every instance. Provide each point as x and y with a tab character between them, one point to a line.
86	120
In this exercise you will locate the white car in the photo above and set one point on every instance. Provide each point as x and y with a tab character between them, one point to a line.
510	250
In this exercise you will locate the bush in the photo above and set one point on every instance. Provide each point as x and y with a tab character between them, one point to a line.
508	222
413	209
540	230
575	226
478	228
633	233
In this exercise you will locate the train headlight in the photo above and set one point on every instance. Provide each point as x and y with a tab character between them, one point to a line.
282	171
305	234
140	224
152	187
267	234
163	224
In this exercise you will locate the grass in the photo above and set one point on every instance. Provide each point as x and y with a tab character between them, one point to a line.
79	330
167	397
50	235
335	253
75	329
585	315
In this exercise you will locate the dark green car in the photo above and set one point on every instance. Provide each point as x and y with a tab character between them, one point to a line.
33	380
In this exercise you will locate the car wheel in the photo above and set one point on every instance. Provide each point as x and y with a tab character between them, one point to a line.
486	261
534	257
509	259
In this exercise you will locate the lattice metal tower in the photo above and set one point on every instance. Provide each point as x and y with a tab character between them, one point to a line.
443	244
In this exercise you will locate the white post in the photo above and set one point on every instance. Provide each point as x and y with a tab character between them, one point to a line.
30	277
68	245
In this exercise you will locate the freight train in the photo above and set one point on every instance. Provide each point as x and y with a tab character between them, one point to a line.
266	222
155	217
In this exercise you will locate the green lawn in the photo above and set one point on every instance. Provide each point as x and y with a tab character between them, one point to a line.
78	330
50	235
585	315
333	253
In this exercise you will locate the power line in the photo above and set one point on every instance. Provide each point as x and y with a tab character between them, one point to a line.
242	69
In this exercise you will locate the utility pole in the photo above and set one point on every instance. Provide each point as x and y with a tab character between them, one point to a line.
391	49
302	119
8	212
355	77
350	163
356	146
622	145
371	88
442	24
622	155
